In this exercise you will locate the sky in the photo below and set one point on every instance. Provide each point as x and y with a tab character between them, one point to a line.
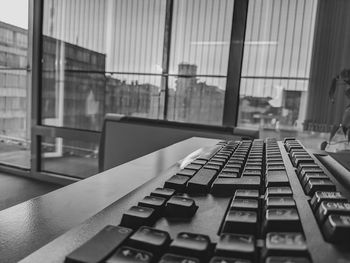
14	12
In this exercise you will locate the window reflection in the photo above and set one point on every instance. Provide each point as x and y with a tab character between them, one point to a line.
276	64
80	50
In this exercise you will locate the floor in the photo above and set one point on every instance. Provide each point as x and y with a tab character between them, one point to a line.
14	154
76	166
16	189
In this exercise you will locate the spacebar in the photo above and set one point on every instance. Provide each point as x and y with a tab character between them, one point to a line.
201	181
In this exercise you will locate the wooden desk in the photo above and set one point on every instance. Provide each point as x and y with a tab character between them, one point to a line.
26	227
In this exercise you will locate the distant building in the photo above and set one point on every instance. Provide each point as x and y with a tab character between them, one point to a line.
13	81
196	101
134	99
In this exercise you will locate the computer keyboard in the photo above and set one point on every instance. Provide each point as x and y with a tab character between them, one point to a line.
238	201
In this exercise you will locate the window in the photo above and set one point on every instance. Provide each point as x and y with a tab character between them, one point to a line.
199	51
174	59
107	61
14	91
276	66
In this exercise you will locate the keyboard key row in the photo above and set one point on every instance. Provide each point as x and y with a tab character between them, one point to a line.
119	244
331	208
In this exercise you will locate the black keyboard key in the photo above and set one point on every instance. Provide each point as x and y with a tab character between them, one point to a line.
137	216
228	260
287	260
276	168
302	159
298	150
128	254
336	228
240	222
270	163
239	159
307	165
276	178
300	154
201	182
225	152
234	165
325	196
279	202
247	182
209	153
279	191
332	207
309	176
220	160
193	166
214	167
222	156
281	220
241	246
252	172
177	182
230	170
150	239
191	244
221	164
254	163
288	139
163	192
201	162
241	193
187	172
229	175
223	186
172	258
252	167
100	246
154	202
314	185
245	204
303	171
285	244
180	207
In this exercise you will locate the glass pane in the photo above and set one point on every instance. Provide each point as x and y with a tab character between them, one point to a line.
134	95
80	100
69	157
201	33
276	67
14	93
196	99
73	100
78	50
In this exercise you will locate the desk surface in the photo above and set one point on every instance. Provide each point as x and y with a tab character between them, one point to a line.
30	225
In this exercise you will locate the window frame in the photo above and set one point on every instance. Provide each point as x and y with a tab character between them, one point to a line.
38	130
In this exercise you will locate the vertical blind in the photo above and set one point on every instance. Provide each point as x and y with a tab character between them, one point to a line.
278	44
